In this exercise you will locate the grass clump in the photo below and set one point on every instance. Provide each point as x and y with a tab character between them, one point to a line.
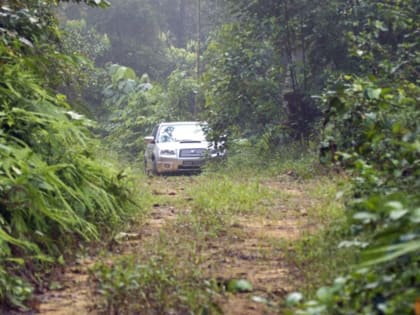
219	199
161	280
224	194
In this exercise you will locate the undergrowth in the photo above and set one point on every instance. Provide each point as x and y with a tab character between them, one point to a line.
56	192
245	160
159	284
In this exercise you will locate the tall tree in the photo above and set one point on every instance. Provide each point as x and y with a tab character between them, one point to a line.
242	80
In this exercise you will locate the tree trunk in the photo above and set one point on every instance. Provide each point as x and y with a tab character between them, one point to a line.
181	34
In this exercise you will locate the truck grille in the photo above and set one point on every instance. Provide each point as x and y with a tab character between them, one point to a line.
192	152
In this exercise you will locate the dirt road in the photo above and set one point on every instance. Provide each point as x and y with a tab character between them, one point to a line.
251	246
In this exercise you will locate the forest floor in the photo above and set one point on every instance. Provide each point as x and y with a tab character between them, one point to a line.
257	246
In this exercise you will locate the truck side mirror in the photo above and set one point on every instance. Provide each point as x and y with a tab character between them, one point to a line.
149	139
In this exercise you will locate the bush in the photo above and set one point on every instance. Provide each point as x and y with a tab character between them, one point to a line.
54	192
374	121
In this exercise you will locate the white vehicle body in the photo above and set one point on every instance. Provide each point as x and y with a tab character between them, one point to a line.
179	147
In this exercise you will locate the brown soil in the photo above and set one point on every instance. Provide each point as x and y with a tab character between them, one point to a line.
251	250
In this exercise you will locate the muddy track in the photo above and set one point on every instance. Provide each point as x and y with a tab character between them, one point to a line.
249	251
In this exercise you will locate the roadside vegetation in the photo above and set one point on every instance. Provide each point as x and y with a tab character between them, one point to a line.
55	194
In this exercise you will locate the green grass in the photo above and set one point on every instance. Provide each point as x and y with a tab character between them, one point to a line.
318	258
163	283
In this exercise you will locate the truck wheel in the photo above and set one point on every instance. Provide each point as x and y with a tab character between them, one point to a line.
146	169
154	168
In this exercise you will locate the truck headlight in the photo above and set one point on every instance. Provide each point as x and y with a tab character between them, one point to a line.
167	152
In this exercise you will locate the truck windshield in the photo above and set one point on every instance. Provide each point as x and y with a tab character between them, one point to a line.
182	133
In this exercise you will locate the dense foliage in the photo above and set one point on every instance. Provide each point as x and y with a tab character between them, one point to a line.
273	58
373	119
131	106
128	109
242	83
54	192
